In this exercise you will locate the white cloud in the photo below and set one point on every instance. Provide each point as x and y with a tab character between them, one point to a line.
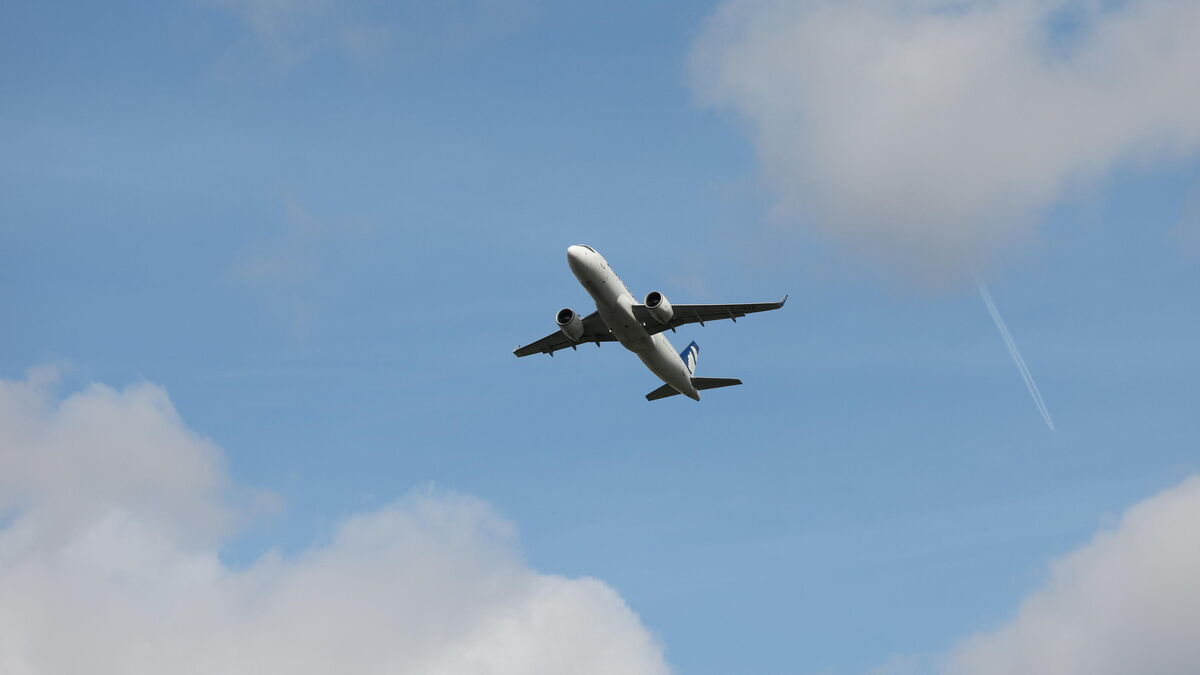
111	515
1128	602
930	134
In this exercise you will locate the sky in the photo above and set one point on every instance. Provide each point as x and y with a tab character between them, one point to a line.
263	264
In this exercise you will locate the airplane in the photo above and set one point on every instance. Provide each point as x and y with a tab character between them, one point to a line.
637	326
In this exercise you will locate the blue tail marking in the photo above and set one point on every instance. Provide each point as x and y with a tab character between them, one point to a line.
690	356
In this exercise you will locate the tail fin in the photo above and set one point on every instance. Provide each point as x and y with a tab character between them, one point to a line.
691	356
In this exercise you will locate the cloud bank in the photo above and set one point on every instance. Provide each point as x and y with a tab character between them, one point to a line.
112	513
1128	602
931	134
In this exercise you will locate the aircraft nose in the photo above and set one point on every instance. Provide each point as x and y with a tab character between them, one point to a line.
576	254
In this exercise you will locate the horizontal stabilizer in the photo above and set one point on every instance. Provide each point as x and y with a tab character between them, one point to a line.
662	392
700	383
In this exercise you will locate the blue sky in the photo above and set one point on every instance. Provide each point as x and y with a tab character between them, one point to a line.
325	252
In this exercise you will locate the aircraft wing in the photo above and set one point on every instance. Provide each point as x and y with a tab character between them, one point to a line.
685	314
594	330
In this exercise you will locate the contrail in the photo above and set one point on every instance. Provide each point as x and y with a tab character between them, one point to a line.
1016	355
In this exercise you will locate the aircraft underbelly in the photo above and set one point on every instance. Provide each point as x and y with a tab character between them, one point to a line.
666	364
615	305
631	334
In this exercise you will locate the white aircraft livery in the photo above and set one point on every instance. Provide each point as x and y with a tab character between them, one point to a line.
638	327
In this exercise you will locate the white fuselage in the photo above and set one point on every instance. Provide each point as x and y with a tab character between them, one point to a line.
615	304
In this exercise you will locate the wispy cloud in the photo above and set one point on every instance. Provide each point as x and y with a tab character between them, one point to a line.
290	258
291	269
690	277
292	32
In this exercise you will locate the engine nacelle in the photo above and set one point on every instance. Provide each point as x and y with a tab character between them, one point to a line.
659	307
569	323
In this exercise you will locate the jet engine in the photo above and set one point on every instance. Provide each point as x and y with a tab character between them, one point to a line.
569	323
659	307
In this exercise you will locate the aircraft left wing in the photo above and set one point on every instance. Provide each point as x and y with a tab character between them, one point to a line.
685	314
594	330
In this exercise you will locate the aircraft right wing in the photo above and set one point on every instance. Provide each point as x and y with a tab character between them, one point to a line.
685	314
594	330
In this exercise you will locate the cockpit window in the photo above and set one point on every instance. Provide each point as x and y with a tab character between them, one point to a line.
588	248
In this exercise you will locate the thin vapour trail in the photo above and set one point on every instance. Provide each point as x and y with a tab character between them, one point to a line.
1016	355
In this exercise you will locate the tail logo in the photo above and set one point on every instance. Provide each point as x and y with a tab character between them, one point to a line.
690	357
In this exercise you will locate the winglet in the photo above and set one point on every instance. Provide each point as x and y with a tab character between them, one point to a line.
785	297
